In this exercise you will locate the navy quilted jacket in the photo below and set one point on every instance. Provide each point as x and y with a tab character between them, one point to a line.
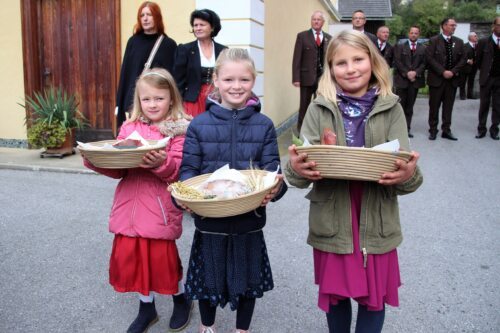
221	136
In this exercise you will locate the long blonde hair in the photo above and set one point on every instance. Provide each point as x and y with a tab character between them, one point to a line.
327	86
160	79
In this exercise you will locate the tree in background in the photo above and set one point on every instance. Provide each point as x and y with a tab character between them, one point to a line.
428	14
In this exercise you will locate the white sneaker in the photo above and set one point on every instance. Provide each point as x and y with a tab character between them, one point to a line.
205	329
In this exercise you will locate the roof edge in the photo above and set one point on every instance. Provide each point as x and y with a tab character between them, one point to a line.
331	8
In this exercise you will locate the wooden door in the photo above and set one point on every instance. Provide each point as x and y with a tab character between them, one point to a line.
75	44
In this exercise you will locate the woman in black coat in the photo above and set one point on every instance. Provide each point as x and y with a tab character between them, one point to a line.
148	28
194	62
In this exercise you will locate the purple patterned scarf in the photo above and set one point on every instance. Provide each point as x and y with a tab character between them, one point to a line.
355	111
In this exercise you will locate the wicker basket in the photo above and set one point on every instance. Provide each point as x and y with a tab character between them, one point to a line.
223	207
116	158
340	162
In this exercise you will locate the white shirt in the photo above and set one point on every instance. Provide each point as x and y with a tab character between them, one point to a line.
320	34
495	38
381	45
204	61
446	37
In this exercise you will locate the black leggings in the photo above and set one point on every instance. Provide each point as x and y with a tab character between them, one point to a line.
244	312
340	316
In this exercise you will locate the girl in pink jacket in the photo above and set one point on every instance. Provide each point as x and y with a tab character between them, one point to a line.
145	222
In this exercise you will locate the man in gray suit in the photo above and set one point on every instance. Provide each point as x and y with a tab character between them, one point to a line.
308	58
409	69
445	58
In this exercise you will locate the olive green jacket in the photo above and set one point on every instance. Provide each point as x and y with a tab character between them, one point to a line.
330	222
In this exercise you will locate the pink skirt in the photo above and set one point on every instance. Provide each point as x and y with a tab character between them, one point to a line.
341	276
143	265
198	106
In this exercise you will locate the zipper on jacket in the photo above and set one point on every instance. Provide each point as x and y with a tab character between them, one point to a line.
233	139
162	211
135	203
365	257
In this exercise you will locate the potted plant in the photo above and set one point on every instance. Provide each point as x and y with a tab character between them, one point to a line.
53	116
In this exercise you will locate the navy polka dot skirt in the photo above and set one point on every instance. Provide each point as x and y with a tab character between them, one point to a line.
224	267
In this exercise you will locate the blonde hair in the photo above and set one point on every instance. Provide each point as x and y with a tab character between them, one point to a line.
233	55
327	86
160	79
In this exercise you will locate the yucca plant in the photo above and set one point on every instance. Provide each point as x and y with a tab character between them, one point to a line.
55	106
52	109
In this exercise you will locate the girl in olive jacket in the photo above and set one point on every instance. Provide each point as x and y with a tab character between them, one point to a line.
354	226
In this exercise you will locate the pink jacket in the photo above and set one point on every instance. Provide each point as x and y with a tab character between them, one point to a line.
142	206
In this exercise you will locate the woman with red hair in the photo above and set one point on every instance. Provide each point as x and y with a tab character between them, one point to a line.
147	30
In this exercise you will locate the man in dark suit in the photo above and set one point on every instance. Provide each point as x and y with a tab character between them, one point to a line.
308	58
470	68
385	48
488	62
358	23
409	70
445	58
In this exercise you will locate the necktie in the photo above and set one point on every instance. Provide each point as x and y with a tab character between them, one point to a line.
448	39
413	47
498	42
318	40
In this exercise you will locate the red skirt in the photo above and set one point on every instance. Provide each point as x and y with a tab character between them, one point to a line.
198	106
144	265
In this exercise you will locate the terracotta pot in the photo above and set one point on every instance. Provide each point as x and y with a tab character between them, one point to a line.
66	148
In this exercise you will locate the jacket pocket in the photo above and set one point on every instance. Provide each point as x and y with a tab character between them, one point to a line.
162	209
321	213
389	217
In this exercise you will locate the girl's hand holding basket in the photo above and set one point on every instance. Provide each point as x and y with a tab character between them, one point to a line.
404	171
153	159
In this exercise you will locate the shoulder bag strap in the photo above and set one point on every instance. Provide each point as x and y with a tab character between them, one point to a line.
147	65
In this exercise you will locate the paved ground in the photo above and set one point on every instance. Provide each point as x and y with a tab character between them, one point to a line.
54	246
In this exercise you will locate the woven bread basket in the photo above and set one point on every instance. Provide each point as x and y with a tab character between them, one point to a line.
353	163
117	158
223	207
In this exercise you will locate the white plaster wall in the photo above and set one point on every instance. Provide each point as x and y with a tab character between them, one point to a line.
338	27
462	31
239	33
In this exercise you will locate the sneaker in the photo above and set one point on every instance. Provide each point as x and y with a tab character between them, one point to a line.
206	329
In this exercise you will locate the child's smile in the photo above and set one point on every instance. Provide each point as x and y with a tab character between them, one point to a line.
235	82
352	70
155	103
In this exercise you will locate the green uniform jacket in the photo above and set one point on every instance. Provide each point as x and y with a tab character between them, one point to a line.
330	222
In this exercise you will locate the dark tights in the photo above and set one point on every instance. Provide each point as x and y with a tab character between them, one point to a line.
340	316
244	312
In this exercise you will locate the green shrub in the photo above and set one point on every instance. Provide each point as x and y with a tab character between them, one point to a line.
44	135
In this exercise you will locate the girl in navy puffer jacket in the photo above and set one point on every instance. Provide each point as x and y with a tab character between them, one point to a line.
229	261
144	258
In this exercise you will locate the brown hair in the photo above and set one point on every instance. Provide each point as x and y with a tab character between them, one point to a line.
380	78
157	17
161	79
